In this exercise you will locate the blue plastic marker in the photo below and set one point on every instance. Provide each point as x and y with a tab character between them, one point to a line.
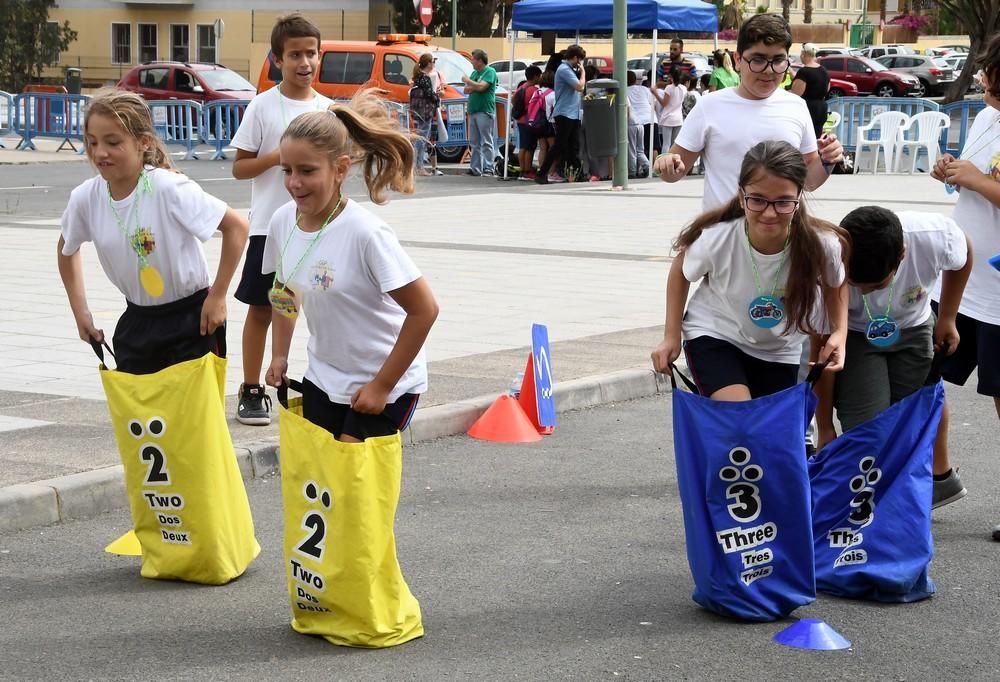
995	261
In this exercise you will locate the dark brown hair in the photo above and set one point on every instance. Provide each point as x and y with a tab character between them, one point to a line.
418	68
806	252
364	130
770	29
132	114
289	26
990	63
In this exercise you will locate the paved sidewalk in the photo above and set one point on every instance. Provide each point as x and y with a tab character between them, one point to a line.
589	263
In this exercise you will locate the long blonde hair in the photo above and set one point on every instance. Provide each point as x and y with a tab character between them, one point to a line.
364	130
806	252
132	114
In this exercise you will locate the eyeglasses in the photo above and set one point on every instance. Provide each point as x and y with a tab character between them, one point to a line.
760	204
759	64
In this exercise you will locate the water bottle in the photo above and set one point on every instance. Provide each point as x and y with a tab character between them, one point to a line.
514	389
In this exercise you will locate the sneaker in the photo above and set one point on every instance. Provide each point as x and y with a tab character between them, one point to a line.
595	178
254	407
541	180
438	172
556	178
473	173
996	533
949	490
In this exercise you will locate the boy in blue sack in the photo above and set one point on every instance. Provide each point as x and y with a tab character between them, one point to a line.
892	333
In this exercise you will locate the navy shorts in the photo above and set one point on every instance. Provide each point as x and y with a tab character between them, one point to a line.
979	347
715	364
340	419
254	285
526	139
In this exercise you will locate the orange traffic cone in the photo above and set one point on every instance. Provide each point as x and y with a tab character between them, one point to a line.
504	422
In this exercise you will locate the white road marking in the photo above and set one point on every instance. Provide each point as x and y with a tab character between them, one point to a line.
26	187
16	423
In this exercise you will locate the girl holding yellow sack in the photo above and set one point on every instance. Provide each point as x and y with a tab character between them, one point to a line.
368	311
166	397
147	222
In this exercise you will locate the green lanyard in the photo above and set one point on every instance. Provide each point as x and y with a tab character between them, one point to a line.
888	308
145	186
312	244
753	262
281	104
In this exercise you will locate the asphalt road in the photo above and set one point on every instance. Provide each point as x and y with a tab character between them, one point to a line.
562	560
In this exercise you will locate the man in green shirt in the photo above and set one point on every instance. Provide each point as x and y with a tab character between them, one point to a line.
481	87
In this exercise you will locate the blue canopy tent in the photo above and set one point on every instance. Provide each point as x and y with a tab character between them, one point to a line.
597	16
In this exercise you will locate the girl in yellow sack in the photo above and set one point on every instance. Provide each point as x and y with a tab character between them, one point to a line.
148	222
368	312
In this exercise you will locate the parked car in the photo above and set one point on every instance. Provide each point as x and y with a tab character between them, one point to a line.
934	73
182	80
838	49
838	87
511	79
875	51
955	49
605	65
869	76
387	64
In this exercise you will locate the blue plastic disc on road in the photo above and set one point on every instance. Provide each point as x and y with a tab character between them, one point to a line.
811	633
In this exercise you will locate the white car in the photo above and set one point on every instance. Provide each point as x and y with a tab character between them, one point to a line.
876	51
837	50
505	76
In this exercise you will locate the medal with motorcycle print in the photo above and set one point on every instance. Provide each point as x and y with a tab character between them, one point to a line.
765	310
281	297
149	277
882	330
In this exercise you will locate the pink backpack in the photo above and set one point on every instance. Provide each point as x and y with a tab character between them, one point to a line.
537	120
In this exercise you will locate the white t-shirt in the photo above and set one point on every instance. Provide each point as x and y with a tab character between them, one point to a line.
670	114
724	126
719	260
933	243
342	286
640	102
981	222
171	224
264	121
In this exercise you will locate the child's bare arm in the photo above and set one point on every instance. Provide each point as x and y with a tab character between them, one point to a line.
249	165
71	272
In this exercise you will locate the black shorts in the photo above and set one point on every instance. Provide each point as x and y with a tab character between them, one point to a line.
979	347
526	140
340	419
254	285
150	338
715	364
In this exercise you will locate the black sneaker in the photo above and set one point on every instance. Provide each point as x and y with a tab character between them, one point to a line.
254	408
473	173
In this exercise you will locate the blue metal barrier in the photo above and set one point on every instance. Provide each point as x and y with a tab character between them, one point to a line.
6	115
456	120
178	121
966	110
219	121
45	114
859	111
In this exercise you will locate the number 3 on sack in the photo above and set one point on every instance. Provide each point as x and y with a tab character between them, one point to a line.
314	522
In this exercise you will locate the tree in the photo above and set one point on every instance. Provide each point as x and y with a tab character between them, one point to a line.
31	41
475	17
807	12
881	13
786	9
982	20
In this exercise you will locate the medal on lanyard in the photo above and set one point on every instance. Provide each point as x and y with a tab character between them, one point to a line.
149	277
882	330
765	310
282	298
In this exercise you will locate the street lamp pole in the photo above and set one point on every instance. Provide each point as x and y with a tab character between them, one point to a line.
454	25
620	56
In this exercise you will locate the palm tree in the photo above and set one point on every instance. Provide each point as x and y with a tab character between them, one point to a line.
786	6
807	11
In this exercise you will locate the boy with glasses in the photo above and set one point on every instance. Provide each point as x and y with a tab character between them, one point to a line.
727	123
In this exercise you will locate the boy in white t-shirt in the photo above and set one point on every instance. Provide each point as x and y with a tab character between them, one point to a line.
728	122
892	333
295	44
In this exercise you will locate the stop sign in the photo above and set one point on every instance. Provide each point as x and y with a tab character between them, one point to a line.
425	12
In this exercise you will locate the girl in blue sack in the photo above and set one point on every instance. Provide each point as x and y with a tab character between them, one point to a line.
368	309
763	264
147	222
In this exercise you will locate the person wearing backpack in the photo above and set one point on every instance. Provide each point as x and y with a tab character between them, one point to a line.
527	142
539	117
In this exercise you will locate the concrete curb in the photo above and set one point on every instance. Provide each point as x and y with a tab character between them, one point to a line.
89	493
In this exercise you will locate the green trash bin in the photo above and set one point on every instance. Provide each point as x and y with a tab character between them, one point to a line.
600	121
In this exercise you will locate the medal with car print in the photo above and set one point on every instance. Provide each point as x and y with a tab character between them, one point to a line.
882	330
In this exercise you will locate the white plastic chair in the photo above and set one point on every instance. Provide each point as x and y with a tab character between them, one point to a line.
924	131
888	124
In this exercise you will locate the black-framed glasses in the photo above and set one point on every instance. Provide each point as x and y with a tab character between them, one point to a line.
760	204
759	64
